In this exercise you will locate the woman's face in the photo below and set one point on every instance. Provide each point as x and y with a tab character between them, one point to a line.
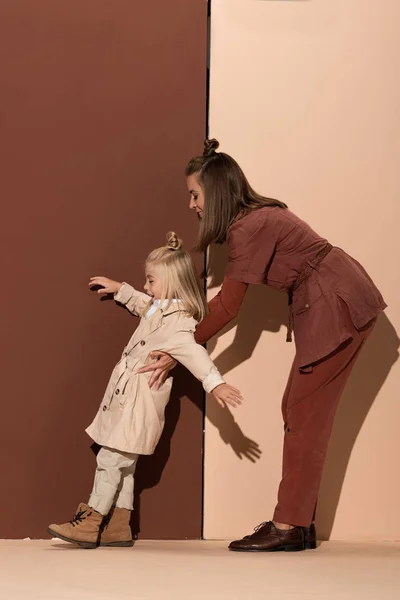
196	194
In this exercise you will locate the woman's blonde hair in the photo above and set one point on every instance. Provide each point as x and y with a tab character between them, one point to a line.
179	280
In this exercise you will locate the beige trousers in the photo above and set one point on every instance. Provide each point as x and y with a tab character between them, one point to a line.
114	480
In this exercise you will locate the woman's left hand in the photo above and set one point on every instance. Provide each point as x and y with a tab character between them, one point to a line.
165	363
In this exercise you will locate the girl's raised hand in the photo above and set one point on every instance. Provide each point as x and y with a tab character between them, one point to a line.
227	394
104	286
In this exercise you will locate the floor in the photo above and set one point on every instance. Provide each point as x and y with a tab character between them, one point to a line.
41	570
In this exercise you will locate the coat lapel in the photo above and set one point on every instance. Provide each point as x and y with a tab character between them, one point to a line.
150	326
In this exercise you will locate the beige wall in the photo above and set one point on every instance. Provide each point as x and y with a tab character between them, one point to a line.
306	96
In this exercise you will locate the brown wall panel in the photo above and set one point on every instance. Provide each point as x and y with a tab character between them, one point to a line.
101	104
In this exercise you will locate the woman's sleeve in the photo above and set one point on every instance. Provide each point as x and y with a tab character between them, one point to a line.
223	309
251	249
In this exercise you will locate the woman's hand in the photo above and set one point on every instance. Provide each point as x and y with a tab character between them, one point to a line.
105	285
165	363
226	394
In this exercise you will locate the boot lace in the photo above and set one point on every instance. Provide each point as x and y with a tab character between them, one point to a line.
79	518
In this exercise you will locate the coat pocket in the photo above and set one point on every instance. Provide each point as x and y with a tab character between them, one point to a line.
306	296
161	397
128	392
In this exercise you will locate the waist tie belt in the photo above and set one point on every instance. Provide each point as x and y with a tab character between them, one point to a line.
309	268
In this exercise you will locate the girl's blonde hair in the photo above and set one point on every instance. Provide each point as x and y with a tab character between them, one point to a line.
179	280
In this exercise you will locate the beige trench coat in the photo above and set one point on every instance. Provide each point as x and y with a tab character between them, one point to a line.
131	415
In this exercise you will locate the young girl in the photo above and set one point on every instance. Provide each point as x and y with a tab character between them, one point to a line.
131	418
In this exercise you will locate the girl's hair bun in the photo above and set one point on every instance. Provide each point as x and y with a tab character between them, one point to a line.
210	147
173	242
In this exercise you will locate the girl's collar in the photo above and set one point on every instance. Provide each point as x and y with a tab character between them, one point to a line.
167	303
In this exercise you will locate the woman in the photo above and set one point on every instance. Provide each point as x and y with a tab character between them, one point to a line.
333	306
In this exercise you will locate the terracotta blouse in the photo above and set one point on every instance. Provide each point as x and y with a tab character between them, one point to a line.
272	246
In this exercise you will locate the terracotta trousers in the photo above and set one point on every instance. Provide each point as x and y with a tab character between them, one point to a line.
309	406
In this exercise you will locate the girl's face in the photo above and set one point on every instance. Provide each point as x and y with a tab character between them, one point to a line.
153	285
196	194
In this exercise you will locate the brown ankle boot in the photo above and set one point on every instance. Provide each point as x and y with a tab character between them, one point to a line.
116	530
83	529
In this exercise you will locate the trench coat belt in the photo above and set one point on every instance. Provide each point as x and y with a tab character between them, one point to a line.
123	366
310	266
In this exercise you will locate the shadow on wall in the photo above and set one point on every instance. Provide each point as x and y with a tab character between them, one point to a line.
369	374
249	328
150	468
247	335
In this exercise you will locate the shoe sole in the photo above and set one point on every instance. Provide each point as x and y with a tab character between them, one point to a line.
127	544
85	545
311	545
290	548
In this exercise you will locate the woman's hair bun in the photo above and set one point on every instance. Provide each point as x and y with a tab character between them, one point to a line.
210	147
173	242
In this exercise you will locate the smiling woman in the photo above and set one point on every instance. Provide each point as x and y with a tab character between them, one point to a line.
196	194
333	308
212	175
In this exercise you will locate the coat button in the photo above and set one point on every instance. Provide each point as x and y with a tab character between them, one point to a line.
116	392
307	306
105	407
142	343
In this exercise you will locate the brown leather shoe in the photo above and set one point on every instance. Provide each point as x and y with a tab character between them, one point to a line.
310	537
268	538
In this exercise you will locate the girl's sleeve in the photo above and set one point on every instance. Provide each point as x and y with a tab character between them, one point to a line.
133	300
183	348
223	309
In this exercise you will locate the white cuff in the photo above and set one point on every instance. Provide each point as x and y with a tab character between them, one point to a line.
213	380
